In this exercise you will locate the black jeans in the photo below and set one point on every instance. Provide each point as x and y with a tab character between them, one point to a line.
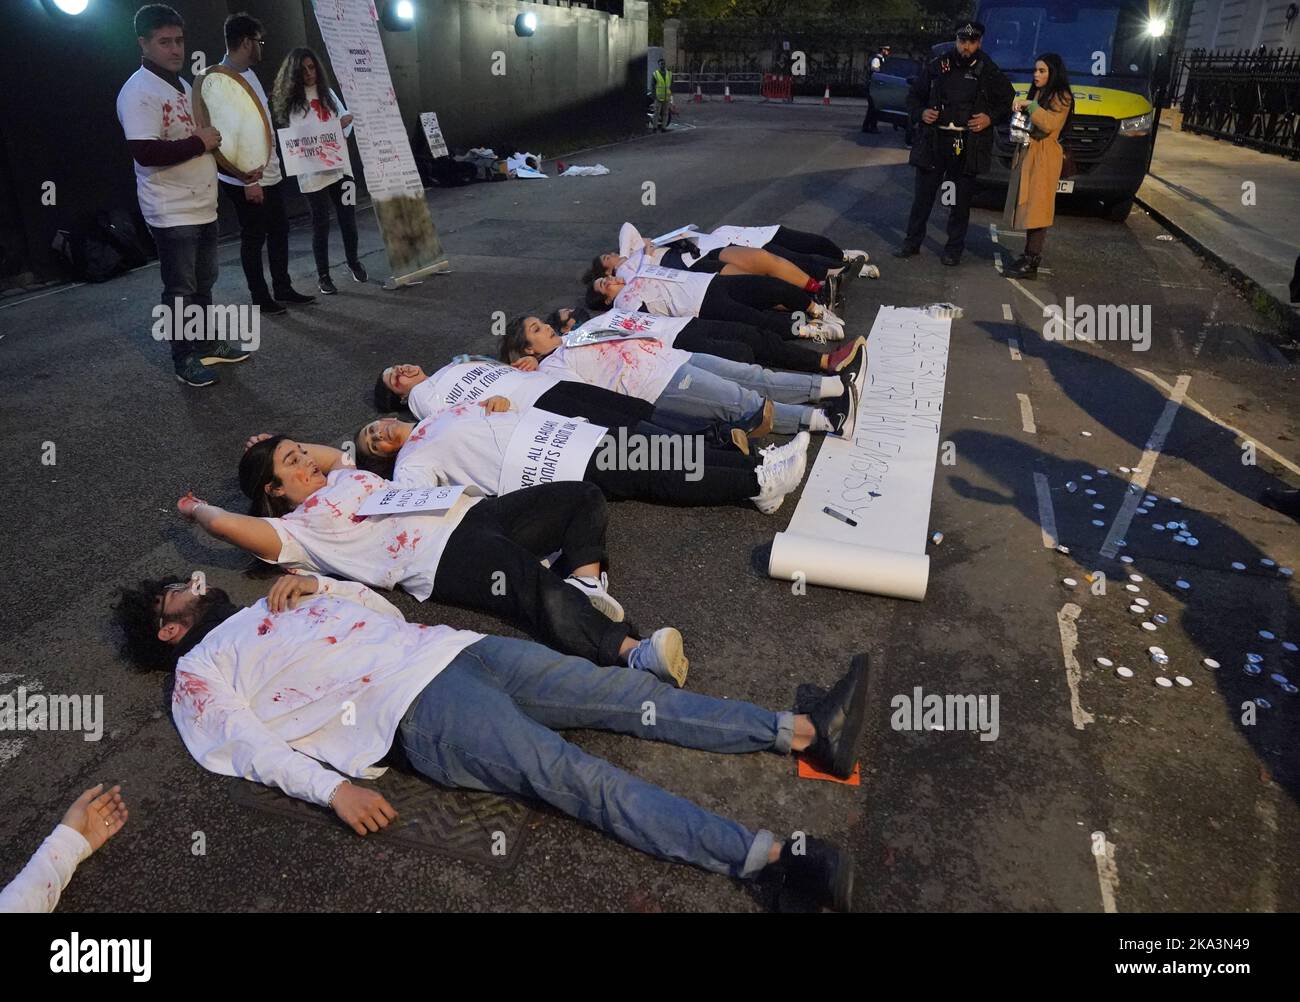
928	182
725	476
319	201
492	562
595	403
806	243
259	224
725	338
752	299
187	258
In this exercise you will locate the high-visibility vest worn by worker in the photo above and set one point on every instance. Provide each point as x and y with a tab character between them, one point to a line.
663	84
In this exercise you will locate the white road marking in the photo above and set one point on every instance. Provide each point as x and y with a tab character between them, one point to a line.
1191	404
1013	346
1067	622
1027	414
1046	513
1205	327
1006	312
1107	873
1042	307
1124	517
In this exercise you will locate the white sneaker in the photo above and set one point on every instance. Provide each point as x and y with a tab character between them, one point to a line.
829	317
821	331
662	655
849	255
781	472
597	594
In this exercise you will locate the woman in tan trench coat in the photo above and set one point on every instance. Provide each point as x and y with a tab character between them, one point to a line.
1048	107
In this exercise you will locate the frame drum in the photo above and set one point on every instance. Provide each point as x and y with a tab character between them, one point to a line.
224	100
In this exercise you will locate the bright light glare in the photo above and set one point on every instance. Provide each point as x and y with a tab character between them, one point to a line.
530	22
405	10
71	6
1157	27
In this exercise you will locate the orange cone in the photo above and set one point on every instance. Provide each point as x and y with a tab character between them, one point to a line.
826	98
726	93
698	96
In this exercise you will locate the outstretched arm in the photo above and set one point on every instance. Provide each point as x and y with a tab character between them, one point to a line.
254	535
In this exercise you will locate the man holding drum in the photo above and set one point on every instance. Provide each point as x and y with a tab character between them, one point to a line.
176	182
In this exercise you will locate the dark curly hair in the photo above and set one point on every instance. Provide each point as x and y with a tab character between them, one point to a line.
256	474
136	614
366	460
289	93
514	345
386	401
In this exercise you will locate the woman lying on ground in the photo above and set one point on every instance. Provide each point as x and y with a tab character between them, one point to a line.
686	387
725	338
811	253
467	445
306	500
762	302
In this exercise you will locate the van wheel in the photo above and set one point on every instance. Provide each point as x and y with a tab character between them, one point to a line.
1117	212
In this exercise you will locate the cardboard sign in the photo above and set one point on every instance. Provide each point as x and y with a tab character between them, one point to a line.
547	448
672	236
433	133
312	146
401	500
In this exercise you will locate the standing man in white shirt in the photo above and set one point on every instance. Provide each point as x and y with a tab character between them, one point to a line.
176	183
259	204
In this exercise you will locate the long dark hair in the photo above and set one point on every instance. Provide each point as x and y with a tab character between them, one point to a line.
256	474
381	466
289	93
1054	95
514	345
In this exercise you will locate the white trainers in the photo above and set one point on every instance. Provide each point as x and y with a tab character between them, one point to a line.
821	331
781	472
596	590
849	255
662	655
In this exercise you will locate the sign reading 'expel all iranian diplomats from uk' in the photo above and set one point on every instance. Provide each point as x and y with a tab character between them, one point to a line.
547	448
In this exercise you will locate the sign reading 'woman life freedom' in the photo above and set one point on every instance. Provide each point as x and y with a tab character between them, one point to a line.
547	448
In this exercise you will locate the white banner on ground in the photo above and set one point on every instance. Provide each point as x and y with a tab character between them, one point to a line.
399	501
547	448
351	32
863	519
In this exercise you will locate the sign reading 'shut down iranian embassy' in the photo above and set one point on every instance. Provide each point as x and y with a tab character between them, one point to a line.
862	520
351	33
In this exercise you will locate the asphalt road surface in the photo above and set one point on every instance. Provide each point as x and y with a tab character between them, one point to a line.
1097	793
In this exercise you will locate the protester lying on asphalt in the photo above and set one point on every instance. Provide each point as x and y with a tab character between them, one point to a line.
257	693
467	446
757	300
482	553
728	339
690	386
94	817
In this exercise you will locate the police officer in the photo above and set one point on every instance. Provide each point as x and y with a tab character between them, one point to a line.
663	96
958	98
876	65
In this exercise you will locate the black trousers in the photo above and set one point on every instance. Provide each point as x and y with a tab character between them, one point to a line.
758	344
928	182
595	403
725	476
752	299
492	563
320	202
806	243
262	224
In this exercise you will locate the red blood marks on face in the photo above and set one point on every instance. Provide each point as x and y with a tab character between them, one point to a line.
192	689
265	627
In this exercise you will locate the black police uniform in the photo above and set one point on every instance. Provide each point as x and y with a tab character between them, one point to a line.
947	150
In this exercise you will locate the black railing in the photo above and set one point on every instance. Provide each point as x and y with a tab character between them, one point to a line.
1251	98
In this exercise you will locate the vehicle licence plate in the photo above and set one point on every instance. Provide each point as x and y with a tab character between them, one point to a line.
1064	187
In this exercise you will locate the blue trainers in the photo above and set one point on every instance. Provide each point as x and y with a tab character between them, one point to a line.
662	655
192	372
222	351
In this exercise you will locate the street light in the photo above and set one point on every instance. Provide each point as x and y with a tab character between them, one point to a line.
525	24
398	15
70	7
1157	27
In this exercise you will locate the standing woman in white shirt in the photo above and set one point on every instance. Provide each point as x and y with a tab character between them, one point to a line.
302	90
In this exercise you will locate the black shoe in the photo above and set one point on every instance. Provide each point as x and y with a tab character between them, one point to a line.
222	352
841	719
1286	502
1025	266
358	272
192	372
842	411
727	435
268	306
819	870
294	297
326	286
906	251
950	259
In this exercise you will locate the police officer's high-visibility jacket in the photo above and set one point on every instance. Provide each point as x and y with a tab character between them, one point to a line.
663	84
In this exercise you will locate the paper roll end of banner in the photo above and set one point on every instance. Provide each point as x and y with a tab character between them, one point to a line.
834	564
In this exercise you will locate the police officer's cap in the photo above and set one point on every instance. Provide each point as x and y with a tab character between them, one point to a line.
970	29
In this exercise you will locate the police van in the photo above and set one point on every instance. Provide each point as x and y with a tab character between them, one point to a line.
1110	49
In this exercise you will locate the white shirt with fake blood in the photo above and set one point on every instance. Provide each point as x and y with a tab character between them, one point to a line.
270	697
326	534
631	245
665	292
470	382
735	236
38	887
634	323
639	367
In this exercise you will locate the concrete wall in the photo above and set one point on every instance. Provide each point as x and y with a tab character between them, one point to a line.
580	78
1241	24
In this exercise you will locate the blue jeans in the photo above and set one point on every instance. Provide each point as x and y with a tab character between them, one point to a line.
488	722
717	389
187	257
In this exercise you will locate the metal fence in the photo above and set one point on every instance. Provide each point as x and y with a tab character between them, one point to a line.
1249	97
